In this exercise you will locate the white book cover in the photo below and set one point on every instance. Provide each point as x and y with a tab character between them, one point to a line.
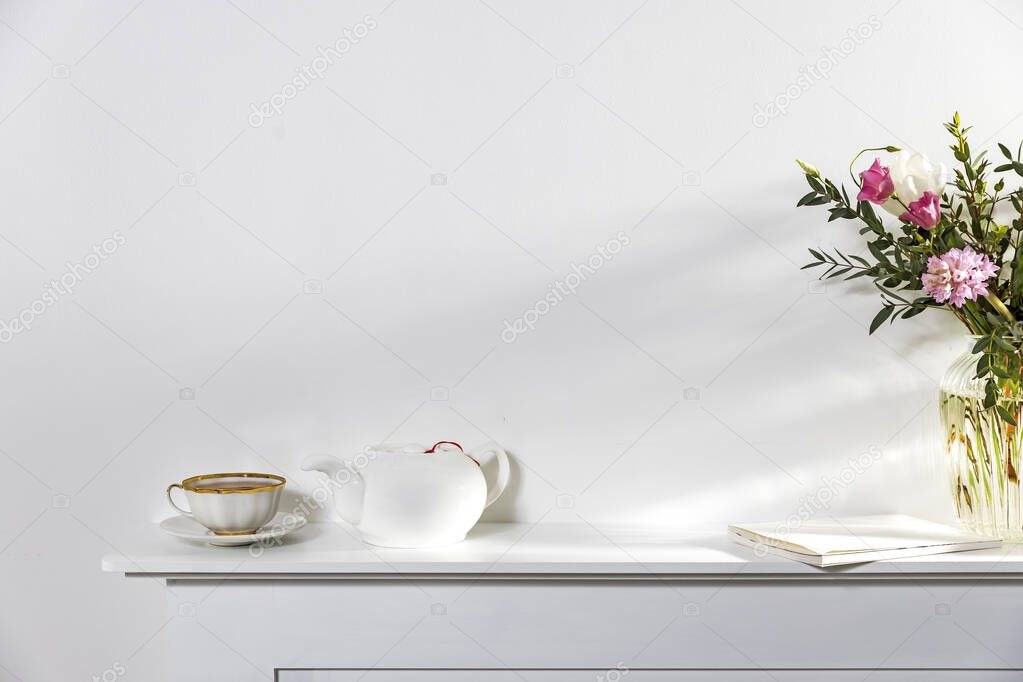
856	539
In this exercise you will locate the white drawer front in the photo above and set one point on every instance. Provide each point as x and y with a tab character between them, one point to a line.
497	626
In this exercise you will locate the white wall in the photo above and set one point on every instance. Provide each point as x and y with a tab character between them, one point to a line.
555	126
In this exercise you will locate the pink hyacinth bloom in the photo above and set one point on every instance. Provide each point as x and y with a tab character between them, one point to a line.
877	184
924	212
958	275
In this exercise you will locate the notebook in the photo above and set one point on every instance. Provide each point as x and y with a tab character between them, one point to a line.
856	539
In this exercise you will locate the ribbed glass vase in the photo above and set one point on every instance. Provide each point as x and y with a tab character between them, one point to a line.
983	452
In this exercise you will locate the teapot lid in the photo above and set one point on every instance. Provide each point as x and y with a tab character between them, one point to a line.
443	442
452	444
417	449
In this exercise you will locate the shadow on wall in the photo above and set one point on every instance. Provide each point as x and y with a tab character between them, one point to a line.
788	367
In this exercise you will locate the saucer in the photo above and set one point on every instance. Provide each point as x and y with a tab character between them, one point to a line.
190	529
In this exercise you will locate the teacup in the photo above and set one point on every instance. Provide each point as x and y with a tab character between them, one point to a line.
230	504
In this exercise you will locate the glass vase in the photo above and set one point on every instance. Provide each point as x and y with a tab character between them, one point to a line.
983	452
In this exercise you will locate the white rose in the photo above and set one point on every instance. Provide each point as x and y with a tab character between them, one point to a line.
913	174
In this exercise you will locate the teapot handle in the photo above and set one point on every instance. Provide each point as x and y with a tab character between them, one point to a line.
503	470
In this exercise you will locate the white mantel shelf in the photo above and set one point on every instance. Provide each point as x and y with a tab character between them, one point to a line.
525	551
570	602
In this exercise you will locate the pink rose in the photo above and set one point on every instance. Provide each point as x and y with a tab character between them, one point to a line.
924	212
877	184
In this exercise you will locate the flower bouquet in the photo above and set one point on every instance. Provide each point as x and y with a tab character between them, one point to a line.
956	248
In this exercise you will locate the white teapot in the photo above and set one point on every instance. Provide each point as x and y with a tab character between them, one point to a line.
410	496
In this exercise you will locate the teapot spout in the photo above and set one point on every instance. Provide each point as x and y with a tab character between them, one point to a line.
345	483
325	464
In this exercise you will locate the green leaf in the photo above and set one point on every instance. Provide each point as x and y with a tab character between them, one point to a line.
876	251
868	212
1003	344
1005	414
806	198
1005	151
881	316
990	398
999	371
912	312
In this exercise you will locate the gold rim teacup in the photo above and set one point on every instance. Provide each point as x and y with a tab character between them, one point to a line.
231	503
